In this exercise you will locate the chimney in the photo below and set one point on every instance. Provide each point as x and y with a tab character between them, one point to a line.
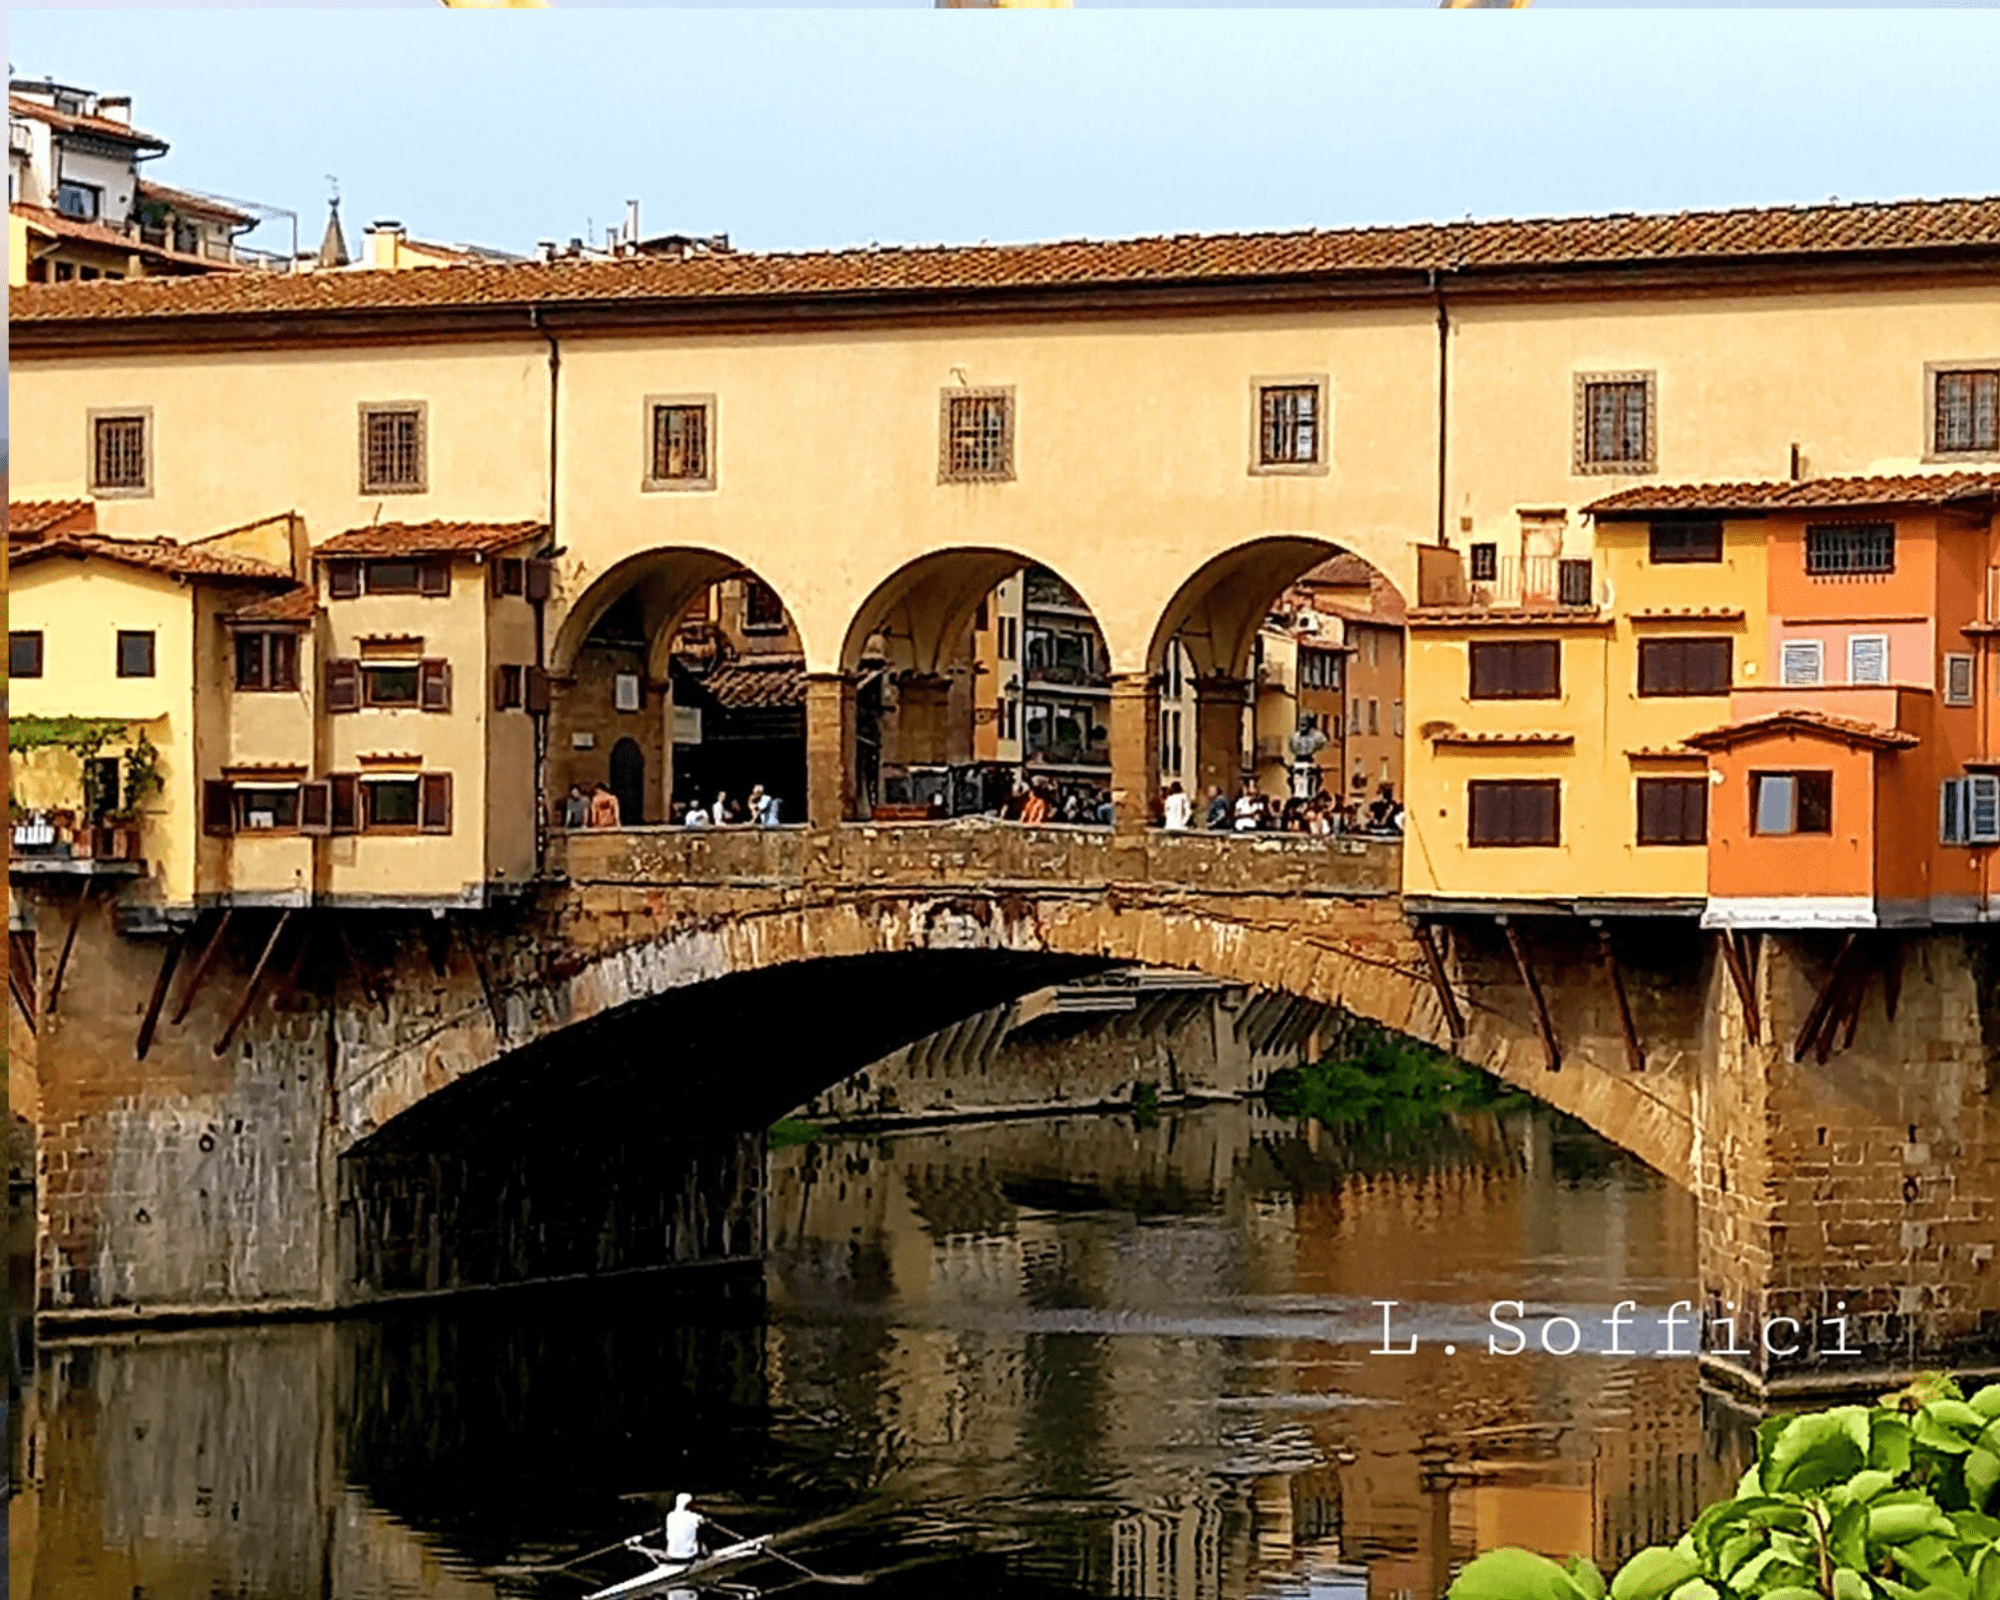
576	248
115	108
545	249
611	241
631	222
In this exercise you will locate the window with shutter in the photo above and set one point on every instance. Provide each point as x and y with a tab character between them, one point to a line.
343	579
345	790
218	807
509	576
506	688
1516	669
1868	658
1982	808
434	802
316	808
434	683
1684	542
1574	583
434	576
343	685
1960	681
1673	811
536	692
1685	666
1509	812
1800	662
541	580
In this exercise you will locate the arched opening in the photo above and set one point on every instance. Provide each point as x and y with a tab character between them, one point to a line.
983	685
1279	669
681	673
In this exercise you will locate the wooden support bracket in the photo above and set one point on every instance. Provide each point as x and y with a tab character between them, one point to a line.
1635	1052
21	974
1824	1015
1552	1055
202	963
1739	975
255	981
493	1010
1454	1019
69	941
169	959
1892	975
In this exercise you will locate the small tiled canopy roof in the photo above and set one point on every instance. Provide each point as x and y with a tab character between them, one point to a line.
1813	724
1903	489
429	539
34	519
1916	228
187	200
163	556
300	604
758	685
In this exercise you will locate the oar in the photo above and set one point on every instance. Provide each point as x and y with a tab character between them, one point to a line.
779	1555
564	1566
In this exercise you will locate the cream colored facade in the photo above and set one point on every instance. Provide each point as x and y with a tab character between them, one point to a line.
1132	468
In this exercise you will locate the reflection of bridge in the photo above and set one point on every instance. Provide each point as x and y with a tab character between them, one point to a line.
435	1102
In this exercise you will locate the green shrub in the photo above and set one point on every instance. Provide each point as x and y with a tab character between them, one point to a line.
1894	1501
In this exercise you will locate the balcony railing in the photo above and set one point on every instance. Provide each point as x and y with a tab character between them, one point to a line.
1067	674
1537	581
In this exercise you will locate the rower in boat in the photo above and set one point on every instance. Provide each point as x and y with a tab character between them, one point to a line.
683	1529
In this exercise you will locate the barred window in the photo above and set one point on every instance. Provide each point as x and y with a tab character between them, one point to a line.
978	436
680	444
1485	562
1851	547
118	456
1614	424
1967	412
392	449
1288	427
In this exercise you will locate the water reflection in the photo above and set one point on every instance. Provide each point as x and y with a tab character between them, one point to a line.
1065	1357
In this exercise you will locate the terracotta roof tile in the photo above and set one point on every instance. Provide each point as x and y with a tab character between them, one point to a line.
153	555
1507	617
1686	614
1663	752
429	539
70	121
1812	723
300	604
1456	736
758	685
32	519
58	226
1901	489
187	199
1910	226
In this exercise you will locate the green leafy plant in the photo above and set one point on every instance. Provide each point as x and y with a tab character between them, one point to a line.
142	777
83	736
1377	1081
1894	1501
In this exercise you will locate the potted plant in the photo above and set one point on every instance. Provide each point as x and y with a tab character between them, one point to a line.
118	839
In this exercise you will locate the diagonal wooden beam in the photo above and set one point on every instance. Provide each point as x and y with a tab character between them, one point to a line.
169	959
202	963
1892	975
1454	1019
1552	1055
1635	1052
1834	987
21	974
69	942
255	980
464	937
1739	975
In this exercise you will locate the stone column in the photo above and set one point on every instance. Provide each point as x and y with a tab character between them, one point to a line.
830	762
1218	736
923	718
1135	749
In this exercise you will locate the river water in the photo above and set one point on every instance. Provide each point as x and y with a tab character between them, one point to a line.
1061	1357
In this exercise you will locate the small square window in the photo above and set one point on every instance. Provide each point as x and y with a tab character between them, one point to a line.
24	654
392	448
1965	411
1801	662
976	436
1791	802
625	691
1868	658
1615	426
136	653
121	453
1291	423
390	803
680	442
1485	562
1678	542
1960	685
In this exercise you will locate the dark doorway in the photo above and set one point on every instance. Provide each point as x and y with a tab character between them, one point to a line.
628	781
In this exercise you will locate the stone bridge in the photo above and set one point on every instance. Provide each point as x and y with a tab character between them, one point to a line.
577	1084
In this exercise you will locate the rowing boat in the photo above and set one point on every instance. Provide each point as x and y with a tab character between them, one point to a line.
667	1574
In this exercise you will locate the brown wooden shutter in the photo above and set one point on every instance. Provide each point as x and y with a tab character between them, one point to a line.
1652	803
434	683
538	691
1710	666
1539	673
344	790
343	685
316	807
434	576
218	806
1537	817
541	580
343	579
434	802
506	688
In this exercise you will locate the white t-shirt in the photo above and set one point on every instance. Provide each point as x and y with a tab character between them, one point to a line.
682	1530
1246	814
1179	809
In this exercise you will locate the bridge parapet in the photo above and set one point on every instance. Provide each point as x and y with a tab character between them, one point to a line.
984	852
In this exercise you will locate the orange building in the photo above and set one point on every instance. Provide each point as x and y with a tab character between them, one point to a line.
1856	783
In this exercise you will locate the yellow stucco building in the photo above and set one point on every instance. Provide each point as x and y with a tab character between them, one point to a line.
1176	428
